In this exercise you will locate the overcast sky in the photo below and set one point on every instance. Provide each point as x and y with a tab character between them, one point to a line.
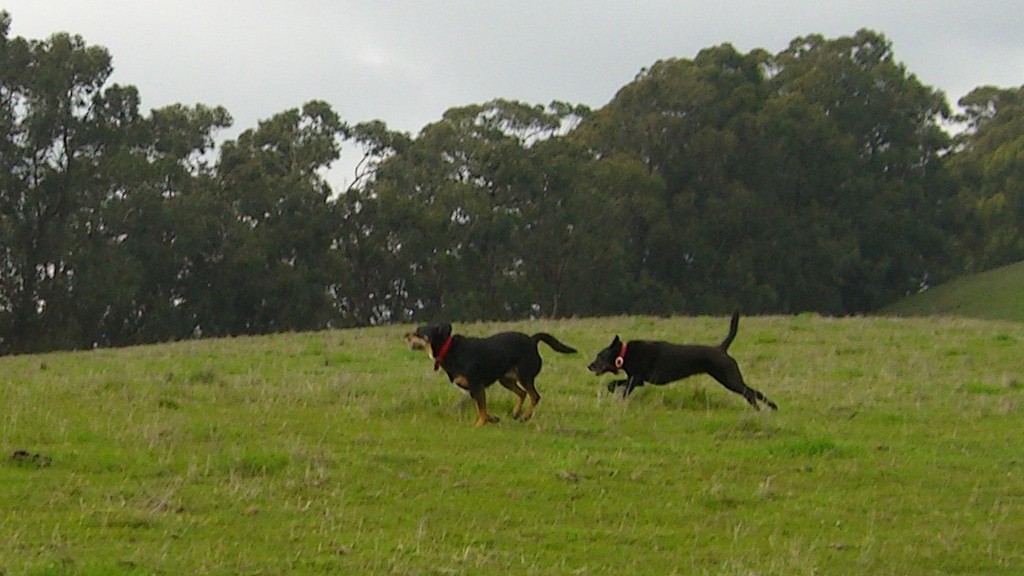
406	62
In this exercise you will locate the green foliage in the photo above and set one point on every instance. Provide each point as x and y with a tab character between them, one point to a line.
117	229
794	182
344	452
464	207
816	179
276	260
989	167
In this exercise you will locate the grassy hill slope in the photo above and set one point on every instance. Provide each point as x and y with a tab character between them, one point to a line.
994	295
896	450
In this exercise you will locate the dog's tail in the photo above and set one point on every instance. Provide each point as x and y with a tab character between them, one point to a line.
734	324
553	342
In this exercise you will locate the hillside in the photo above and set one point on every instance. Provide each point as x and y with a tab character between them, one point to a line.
993	295
895	450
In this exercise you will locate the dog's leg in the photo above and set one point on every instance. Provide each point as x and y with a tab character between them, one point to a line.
480	395
730	377
462	384
763	398
509	381
534	398
753	396
732	380
615	384
633	382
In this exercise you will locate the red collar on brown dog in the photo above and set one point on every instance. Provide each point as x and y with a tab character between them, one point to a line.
442	353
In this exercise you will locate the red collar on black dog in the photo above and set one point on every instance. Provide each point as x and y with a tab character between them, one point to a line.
621	358
442	353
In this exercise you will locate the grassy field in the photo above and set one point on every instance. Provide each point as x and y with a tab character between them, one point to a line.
897	449
996	294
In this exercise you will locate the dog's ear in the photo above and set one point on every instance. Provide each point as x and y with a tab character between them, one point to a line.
616	343
444	330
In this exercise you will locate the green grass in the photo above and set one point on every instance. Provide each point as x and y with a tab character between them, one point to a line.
993	295
896	450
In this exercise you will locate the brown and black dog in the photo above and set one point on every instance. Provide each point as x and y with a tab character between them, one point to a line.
662	362
473	364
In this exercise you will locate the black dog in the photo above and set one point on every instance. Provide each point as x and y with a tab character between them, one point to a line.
662	362
473	364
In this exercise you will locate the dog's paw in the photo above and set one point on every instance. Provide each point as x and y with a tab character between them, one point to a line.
489	419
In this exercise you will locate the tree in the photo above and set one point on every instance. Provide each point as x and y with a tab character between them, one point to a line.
808	180
49	197
363	289
168	218
275	268
989	164
689	122
14	57
813	179
891	195
575	249
454	205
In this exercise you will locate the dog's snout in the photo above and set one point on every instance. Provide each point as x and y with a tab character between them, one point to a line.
598	367
415	342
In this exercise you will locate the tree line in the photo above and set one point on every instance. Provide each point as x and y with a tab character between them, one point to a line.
822	178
